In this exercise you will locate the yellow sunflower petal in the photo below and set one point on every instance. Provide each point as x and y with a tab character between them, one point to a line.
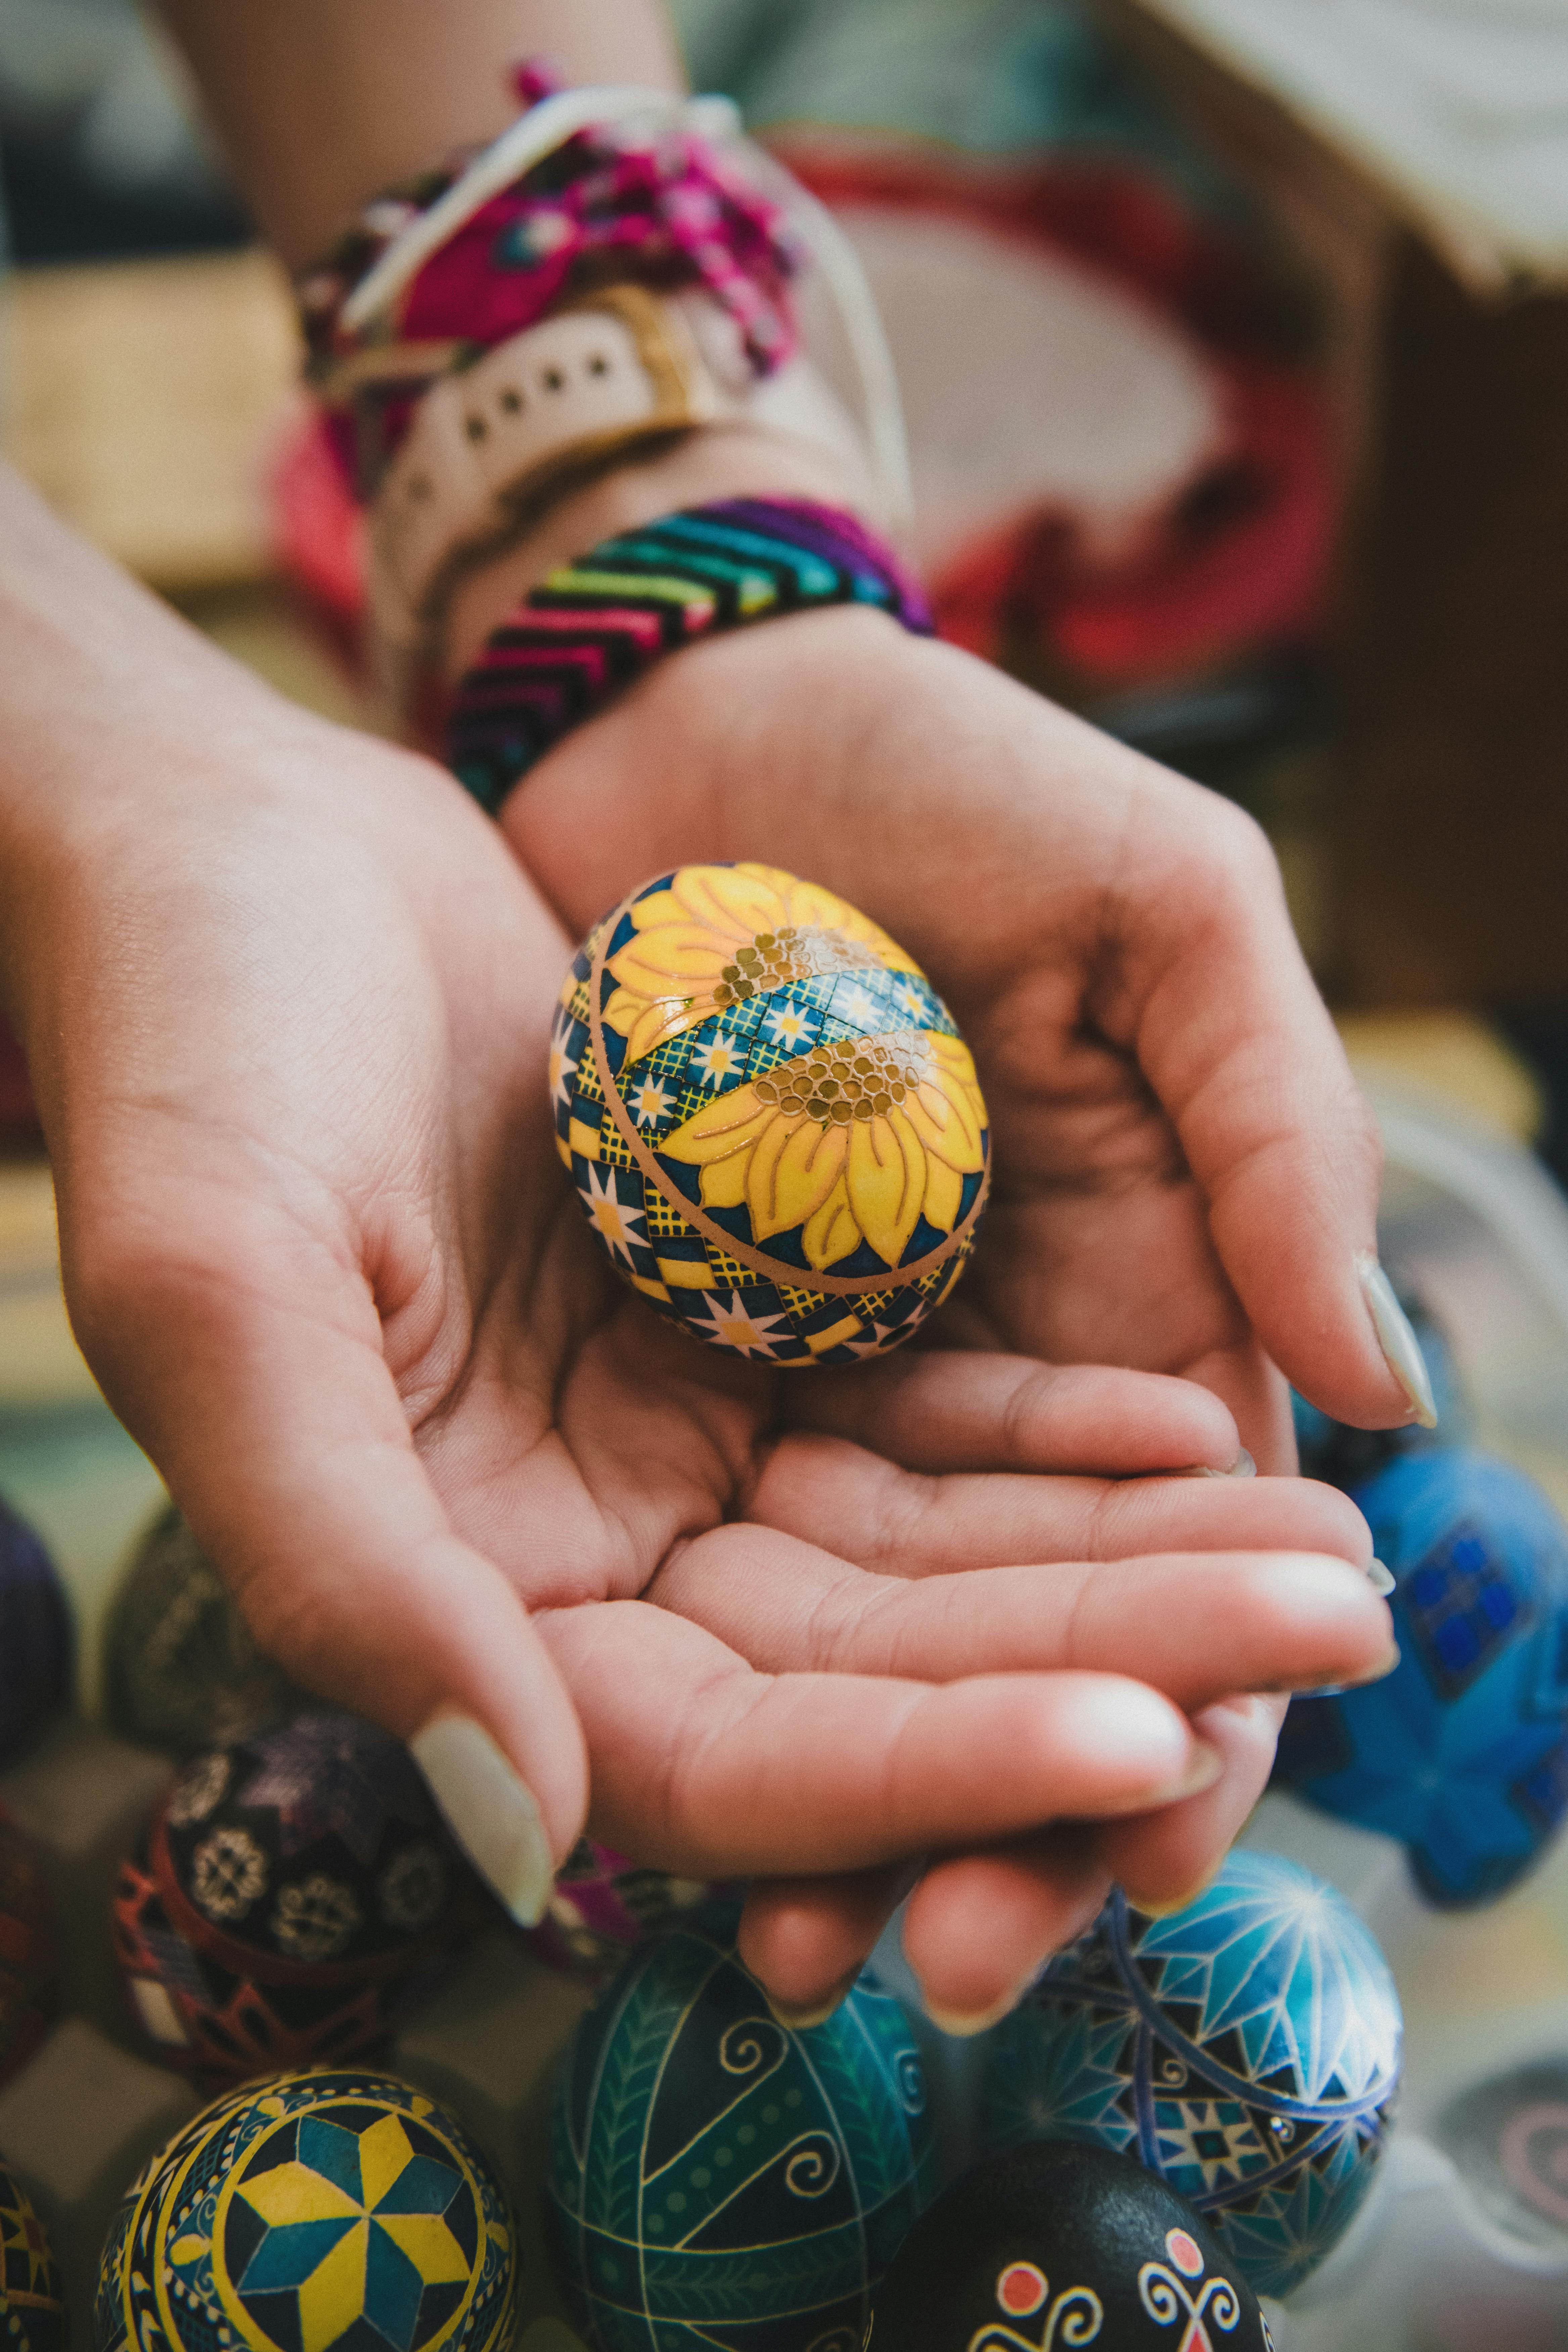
678	959
646	1024
739	900
795	1166
808	904
944	1194
887	1181
730	1123
947	1109
832	1233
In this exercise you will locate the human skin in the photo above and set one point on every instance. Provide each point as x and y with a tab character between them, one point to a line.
286	998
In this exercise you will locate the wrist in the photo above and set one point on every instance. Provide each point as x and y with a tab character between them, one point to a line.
714	462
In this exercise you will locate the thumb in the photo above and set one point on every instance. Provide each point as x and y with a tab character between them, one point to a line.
1237	1043
265	1400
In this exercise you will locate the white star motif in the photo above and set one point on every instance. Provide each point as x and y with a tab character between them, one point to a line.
718	1060
749	1334
787	1026
910	998
875	1339
614	1224
562	1070
650	1103
856	1006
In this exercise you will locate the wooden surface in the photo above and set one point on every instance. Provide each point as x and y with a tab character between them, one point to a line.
142	398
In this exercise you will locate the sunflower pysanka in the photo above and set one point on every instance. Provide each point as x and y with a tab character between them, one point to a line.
773	1128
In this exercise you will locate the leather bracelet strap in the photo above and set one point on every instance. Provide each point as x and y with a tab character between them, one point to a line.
594	626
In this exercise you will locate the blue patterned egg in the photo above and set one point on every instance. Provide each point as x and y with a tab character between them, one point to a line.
32	2300
773	1128
1462	1752
318	2212
36	1639
717	2180
1247	2049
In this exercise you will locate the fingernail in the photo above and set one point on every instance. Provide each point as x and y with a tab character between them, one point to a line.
1168	1910
1243	1467
1381	1580
800	2020
964	2024
1401	1348
1204	1771
1385	1666
490	1811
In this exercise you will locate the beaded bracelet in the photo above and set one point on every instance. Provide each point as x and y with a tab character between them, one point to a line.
593	626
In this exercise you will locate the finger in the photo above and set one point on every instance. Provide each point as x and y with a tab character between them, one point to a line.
1165	1860
1232	1036
706	1767
946	1409
245	1355
1194	1626
980	1927
904	1523
807	1938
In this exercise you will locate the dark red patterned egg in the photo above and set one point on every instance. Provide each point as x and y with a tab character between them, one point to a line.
28	1971
295	1894
604	1905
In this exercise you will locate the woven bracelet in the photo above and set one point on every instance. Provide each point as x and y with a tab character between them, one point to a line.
594	626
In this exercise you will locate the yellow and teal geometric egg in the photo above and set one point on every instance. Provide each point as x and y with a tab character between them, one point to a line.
718	2182
773	1126
327	2211
1247	2049
32	2305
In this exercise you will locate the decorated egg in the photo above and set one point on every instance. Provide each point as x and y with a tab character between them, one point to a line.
28	1959
36	1645
717	2179
32	2300
1052	2244
603	1905
1247	2049
296	1893
1461	1752
773	1128
181	1669
329	2209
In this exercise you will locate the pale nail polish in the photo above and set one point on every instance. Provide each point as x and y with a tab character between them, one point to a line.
1168	1910
1385	1666
1401	1348
800	2020
964	2025
1381	1580
1204	1769
489	1809
1243	1467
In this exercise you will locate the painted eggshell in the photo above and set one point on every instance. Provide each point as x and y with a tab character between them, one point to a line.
330	2209
295	1894
1247	2049
1461	1752
37	1642
717	2179
1050	2245
604	1905
774	1129
31	2299
181	1669
28	1970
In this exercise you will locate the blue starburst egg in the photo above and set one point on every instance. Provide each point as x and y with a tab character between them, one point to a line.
1462	1752
773	1128
330	2212
1247	2049
37	1642
718	2181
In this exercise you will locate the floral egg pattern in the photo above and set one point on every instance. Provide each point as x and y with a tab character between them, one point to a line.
773	1128
603	1904
296	1892
718	2181
1246	2048
32	2302
310	2211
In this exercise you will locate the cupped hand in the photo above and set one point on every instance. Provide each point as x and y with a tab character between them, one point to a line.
286	999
